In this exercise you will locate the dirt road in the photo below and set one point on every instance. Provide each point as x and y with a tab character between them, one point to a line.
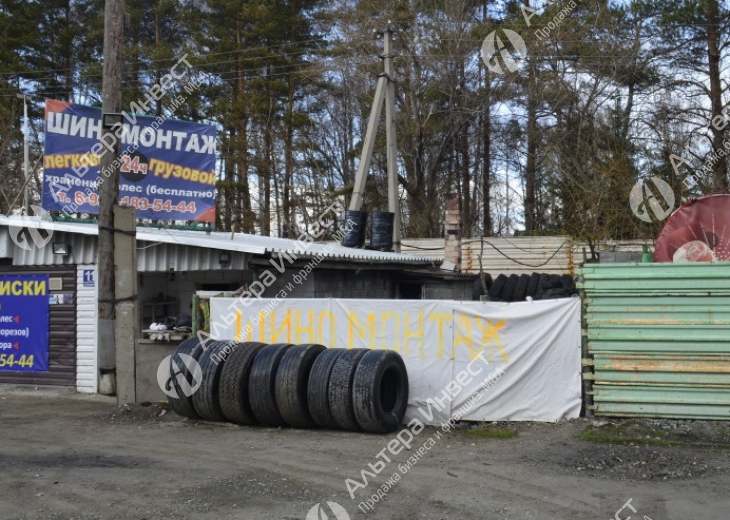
65	457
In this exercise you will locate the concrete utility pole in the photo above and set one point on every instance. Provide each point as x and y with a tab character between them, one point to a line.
125	311
367	149
109	180
384	94
26	161
393	195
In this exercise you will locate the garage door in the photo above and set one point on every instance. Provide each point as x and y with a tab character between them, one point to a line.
62	333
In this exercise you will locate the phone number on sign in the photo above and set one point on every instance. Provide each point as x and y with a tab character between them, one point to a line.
142	203
10	361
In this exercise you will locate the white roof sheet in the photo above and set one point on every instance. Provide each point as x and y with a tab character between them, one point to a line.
252	244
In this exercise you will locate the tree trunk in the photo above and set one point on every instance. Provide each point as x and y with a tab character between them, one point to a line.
487	144
463	139
532	137
487	225
465	180
230	180
288	228
265	183
68	79
241	192
720	182
158	41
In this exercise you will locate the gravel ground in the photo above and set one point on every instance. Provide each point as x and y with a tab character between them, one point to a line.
70	457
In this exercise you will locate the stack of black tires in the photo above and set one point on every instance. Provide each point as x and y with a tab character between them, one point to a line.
516	288
300	386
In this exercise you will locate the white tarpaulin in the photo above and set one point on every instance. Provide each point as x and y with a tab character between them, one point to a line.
482	361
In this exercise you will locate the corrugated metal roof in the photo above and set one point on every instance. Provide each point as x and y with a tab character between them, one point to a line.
238	242
162	257
518	255
82	247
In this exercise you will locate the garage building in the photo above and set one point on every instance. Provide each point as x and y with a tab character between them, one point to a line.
172	265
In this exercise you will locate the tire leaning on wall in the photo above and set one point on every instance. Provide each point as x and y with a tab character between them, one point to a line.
478	288
206	400
509	288
521	288
183	404
233	386
292	380
318	388
545	284
380	391
532	285
495	291
262	384
340	389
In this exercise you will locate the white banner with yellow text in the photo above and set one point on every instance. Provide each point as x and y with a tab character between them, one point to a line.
475	361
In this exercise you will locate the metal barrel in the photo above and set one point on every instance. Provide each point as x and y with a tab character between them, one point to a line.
354	225
381	231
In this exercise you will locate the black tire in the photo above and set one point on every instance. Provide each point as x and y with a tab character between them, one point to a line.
546	283
205	400
532	286
292	380
318	388
183	404
233	385
509	288
558	292
521	289
567	282
495	292
340	389
262	384
555	281
380	391
487	281
477	290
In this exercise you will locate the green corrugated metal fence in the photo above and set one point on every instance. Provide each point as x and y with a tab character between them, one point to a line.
657	340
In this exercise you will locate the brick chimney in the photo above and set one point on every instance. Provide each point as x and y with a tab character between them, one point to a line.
452	234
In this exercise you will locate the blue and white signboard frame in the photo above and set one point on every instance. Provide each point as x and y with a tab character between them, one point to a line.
167	167
24	323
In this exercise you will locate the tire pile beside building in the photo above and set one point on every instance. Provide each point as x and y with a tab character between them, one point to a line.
299	386
516	288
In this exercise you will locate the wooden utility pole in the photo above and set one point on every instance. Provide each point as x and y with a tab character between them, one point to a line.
109	180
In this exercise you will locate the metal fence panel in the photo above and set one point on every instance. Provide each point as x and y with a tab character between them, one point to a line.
499	255
657	339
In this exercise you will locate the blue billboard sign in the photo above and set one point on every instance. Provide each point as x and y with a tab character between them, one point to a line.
24	320
167	167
